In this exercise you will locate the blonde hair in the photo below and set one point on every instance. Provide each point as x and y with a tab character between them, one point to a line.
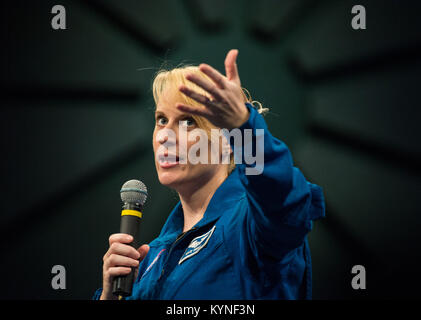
171	79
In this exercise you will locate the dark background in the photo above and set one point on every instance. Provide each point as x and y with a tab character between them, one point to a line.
77	120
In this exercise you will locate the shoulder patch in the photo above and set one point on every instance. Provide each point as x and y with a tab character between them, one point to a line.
196	245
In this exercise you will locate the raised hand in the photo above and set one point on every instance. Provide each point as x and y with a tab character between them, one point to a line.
226	108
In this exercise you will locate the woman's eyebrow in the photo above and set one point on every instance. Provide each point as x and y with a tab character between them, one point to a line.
159	113
180	116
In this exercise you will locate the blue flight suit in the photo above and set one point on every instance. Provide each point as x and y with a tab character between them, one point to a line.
251	242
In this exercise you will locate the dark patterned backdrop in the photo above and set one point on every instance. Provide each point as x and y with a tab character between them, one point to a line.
77	119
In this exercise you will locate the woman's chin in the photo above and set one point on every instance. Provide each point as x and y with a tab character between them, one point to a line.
169	179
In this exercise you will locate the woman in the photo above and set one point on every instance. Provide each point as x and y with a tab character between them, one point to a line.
232	235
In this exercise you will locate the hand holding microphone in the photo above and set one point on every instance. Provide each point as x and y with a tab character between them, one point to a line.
122	259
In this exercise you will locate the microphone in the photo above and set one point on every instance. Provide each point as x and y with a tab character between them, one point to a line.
133	194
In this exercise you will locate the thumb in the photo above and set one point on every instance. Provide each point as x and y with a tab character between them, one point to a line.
231	69
143	250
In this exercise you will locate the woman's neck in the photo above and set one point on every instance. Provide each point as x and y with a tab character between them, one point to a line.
195	199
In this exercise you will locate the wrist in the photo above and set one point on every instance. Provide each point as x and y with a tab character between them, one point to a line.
107	296
243	118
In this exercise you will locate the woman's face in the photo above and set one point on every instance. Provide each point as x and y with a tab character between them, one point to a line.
173	168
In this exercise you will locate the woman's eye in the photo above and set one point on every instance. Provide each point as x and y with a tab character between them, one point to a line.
189	122
161	121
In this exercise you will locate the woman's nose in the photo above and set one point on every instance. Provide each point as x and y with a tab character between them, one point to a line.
166	135
161	136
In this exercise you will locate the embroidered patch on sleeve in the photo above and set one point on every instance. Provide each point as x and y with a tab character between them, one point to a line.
196	245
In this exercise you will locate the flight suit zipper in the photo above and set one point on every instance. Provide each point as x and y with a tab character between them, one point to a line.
178	239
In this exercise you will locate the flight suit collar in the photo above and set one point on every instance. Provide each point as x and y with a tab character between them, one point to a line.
224	198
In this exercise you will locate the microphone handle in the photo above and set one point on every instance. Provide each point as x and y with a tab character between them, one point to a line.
130	222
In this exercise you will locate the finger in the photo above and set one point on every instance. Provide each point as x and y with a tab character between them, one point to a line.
115	260
119	271
231	65
203	112
205	85
143	251
214	74
120	237
123	250
196	96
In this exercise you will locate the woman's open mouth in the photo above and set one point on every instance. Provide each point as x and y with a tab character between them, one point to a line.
167	162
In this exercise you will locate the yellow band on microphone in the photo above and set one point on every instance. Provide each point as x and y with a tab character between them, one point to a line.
131	213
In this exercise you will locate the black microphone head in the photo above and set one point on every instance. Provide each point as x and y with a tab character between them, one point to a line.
134	192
